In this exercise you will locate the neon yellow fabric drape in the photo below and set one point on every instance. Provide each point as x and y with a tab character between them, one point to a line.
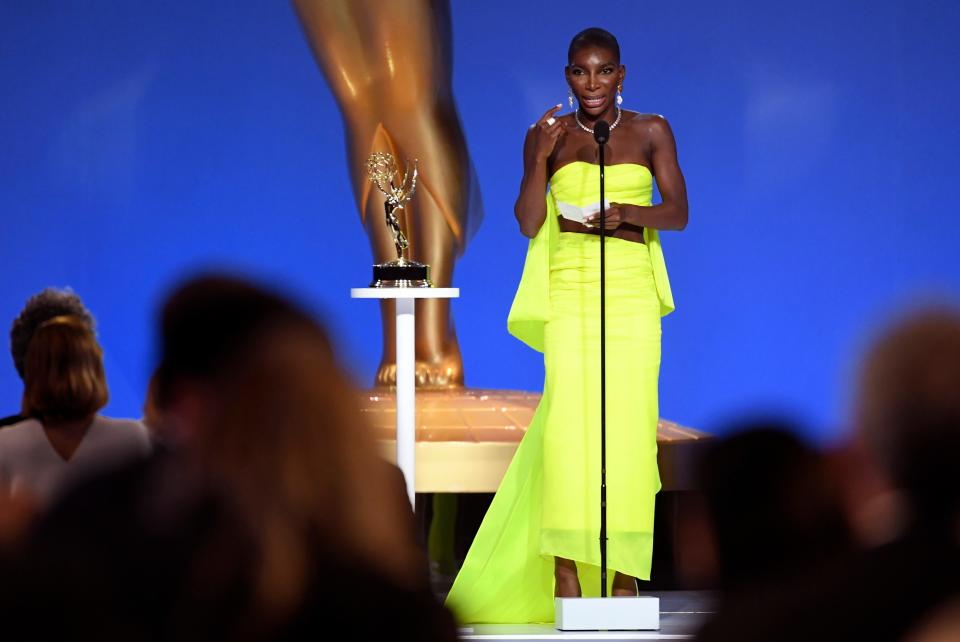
548	502
578	184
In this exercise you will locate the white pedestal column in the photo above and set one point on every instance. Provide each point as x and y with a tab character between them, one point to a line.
406	393
406	368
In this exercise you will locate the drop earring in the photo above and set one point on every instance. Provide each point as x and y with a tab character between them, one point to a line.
570	96
619	95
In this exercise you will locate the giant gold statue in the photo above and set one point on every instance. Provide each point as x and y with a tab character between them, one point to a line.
388	63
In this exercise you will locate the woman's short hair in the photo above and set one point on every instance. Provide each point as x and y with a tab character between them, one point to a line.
63	371
593	37
45	305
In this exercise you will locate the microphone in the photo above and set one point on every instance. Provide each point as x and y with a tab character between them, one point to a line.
601	132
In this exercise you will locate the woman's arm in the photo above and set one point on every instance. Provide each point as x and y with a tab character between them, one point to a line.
671	212
531	208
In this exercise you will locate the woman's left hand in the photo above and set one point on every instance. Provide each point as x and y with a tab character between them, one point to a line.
615	215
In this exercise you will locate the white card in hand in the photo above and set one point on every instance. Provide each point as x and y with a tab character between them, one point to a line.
579	213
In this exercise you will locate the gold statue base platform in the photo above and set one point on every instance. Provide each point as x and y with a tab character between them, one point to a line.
466	438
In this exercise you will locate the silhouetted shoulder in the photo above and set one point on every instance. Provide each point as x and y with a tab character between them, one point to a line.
15	435
121	433
11	420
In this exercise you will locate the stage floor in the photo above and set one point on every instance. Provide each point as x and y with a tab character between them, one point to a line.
466	437
681	613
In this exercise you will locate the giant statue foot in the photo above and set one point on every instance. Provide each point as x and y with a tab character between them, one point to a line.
436	369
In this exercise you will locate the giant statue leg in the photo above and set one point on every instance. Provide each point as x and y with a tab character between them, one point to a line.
389	66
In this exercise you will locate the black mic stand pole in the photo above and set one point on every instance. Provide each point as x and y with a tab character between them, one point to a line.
640	613
601	133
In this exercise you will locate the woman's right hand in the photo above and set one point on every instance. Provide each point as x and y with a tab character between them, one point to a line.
546	132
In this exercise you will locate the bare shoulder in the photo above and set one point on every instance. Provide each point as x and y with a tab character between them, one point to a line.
649	126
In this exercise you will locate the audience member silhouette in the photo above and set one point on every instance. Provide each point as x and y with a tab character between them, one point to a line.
64	439
908	416
41	307
769	508
268	517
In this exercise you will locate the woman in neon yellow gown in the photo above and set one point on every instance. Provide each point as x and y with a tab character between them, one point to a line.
540	536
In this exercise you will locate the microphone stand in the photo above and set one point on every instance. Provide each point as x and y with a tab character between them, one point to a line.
601	134
599	614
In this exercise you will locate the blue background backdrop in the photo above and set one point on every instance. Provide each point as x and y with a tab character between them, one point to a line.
143	140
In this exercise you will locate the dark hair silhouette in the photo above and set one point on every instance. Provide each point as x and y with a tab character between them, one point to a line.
909	409
207	322
283	435
41	307
770	502
63	376
593	37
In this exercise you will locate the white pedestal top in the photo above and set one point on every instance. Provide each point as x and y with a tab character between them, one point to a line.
406	364
405	293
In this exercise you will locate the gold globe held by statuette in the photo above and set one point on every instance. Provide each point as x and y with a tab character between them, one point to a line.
401	272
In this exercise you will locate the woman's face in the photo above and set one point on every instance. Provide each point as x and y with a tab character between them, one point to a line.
594	75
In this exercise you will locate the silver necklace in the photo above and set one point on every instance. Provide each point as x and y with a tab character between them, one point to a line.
576	116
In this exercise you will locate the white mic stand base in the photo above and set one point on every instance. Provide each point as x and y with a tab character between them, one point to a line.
607	613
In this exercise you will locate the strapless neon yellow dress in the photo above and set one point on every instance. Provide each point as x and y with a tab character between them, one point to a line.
548	504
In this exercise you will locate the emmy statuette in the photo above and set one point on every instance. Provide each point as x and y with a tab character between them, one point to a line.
400	272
